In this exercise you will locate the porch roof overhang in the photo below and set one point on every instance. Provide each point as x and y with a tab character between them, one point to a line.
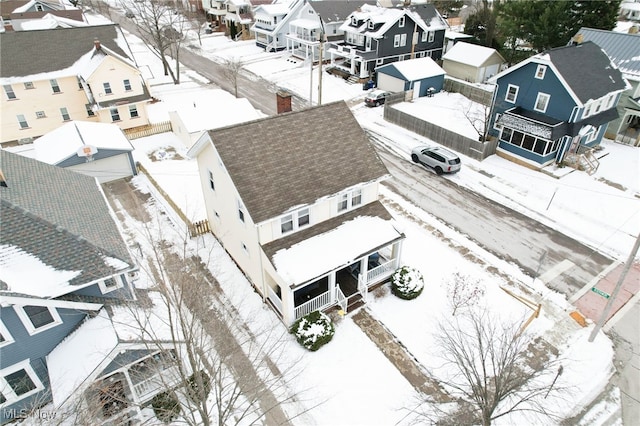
533	123
332	244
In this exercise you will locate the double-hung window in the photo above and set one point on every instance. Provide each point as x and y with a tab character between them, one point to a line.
512	93
107	88
22	121
542	102
349	200
18	381
133	111
8	90
65	114
294	221
115	115
540	71
55	86
127	85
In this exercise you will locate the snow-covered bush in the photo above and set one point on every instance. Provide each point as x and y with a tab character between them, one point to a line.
313	330
166	406
198	386
407	283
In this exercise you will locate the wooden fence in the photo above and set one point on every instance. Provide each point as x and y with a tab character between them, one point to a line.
469	90
148	130
195	229
462	144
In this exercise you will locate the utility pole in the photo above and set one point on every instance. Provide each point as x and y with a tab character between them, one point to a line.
607	308
320	60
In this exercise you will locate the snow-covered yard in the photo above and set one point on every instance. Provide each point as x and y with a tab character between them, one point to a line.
350	381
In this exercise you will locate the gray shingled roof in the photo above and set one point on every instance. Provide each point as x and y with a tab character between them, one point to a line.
587	70
296	158
337	10
622	48
30	52
59	216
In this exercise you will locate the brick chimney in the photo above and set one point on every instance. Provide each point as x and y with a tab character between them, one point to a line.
96	44
283	101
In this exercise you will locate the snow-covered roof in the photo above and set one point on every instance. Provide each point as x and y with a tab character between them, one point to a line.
415	69
310	24
454	35
74	360
211	109
470	54
622	48
64	142
335	248
32	3
47	22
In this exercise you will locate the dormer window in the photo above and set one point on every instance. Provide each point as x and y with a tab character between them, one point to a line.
37	318
401	22
370	25
349	200
354	21
542	69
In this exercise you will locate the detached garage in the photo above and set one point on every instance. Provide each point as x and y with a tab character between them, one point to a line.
422	75
471	62
100	150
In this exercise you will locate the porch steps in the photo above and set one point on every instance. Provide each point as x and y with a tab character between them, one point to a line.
353	79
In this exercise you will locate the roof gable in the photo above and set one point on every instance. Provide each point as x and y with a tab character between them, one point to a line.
296	158
414	69
21	51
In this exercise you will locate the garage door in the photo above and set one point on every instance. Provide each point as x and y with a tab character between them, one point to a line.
389	83
106	169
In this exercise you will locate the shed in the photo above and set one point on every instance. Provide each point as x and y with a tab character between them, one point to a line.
100	150
471	62
419	74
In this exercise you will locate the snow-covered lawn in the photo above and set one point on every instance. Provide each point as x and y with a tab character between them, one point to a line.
349	381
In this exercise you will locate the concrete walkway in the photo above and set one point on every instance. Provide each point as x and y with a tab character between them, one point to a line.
400	357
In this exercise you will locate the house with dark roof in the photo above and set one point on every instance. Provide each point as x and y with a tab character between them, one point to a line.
62	258
35	10
297	207
87	74
316	20
375	36
271	23
624	51
555	106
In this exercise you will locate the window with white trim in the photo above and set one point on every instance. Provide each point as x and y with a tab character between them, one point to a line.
8	90
64	112
90	112
370	25
401	22
40	114
432	36
115	115
592	134
37	318
597	107
349	200
55	86
18	381
127	84
542	102
294	221
28	85
22	121
396	40
5	337
541	71
240	212
403	39
495	122
379	61
110	284
107	88
133	111
512	93
587	110
425	34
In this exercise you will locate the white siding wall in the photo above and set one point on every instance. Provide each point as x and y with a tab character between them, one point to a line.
390	83
106	169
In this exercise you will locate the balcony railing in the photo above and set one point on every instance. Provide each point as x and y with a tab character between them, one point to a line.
317	303
147	388
382	271
275	300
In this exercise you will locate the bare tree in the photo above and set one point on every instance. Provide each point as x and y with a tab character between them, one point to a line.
497	370
161	27
231	71
197	19
463	291
479	117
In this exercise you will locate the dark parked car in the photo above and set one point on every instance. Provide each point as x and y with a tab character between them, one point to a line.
439	159
375	98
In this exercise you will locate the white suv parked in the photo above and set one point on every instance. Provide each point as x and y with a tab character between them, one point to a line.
439	159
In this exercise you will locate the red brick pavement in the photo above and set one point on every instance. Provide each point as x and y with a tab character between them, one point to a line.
591	304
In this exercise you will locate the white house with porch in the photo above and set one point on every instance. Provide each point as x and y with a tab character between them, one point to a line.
293	198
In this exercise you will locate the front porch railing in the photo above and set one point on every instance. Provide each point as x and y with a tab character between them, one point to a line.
315	304
341	299
382	271
149	387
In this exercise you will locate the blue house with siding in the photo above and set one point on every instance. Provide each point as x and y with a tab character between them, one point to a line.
62	259
422	75
555	103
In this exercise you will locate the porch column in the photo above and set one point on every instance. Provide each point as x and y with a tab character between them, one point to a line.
396	252
288	305
332	286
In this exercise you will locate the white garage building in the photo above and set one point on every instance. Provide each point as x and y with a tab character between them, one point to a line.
100	150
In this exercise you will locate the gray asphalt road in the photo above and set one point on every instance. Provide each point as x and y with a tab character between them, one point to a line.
563	263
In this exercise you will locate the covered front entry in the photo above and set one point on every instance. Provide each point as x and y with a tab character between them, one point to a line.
354	279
